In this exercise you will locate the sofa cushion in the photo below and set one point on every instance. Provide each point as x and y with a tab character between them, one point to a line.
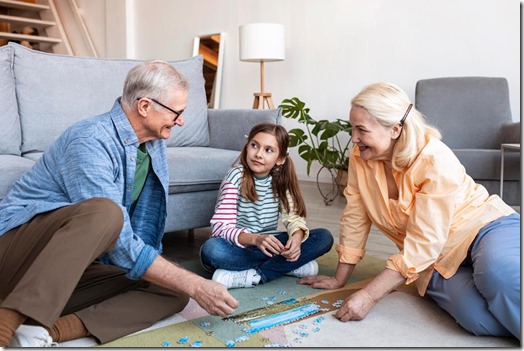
468	111
10	134
485	164
54	91
33	155
191	169
11	169
197	168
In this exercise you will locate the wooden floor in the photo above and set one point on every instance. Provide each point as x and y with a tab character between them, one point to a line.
179	248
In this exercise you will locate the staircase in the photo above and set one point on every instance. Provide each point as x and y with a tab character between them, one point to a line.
34	24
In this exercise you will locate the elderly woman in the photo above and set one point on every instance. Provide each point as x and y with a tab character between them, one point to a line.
460	245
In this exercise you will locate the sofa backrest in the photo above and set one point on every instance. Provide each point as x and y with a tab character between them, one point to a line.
469	111
10	134
54	91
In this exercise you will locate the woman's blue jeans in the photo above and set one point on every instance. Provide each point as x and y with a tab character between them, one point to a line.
484	295
219	253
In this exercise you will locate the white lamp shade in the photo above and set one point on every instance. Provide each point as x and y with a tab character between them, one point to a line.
262	42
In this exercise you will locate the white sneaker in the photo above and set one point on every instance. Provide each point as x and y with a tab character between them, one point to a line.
308	270
236	279
32	336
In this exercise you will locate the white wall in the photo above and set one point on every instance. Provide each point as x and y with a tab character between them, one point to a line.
94	14
335	47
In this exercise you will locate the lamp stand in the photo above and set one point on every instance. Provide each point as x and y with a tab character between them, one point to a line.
261	98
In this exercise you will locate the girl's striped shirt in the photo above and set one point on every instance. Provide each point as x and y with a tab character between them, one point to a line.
235	214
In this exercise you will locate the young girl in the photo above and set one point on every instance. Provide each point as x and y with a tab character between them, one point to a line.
245	248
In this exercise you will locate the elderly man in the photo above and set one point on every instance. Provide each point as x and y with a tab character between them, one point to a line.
81	231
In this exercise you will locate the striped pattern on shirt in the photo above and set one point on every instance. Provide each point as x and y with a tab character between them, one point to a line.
235	214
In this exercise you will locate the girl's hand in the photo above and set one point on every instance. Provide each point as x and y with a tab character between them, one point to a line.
356	307
268	244
292	249
321	282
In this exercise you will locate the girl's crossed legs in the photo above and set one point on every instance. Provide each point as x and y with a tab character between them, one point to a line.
219	253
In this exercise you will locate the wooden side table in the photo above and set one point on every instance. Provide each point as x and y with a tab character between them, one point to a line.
515	147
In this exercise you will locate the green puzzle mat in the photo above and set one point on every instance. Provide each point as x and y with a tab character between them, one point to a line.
213	331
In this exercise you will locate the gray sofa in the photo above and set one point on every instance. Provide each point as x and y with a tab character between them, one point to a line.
474	117
42	94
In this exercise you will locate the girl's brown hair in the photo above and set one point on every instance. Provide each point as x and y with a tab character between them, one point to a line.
284	176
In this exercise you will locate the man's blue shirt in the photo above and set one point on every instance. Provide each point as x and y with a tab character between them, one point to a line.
96	157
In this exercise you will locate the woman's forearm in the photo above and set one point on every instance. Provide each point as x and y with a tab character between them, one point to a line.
383	284
343	272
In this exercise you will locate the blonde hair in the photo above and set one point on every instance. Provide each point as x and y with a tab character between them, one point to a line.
388	104
284	177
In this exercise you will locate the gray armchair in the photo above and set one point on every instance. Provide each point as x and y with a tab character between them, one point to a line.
473	114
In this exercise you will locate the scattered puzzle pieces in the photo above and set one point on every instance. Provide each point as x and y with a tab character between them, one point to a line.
319	320
277	344
183	340
300	333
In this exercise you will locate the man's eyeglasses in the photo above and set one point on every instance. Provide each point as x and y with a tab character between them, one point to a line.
177	113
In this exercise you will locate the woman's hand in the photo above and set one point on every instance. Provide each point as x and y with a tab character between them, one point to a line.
292	249
342	275
355	307
322	282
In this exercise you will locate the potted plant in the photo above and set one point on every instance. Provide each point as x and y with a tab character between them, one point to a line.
322	141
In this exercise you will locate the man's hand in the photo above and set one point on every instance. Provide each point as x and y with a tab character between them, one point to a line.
210	295
215	299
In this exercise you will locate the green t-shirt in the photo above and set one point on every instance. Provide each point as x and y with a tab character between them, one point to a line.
143	162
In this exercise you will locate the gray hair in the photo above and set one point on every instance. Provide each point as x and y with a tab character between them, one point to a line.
153	79
388	104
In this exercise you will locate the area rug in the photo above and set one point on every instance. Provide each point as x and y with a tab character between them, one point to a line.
285	314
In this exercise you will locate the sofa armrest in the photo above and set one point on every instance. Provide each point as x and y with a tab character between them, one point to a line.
228	127
510	133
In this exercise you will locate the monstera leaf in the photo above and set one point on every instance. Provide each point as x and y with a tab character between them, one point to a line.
321	141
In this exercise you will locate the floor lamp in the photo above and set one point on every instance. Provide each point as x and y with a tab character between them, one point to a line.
262	42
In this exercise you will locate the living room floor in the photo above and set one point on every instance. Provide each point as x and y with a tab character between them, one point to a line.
180	248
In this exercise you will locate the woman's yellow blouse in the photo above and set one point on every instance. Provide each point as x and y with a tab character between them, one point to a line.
438	213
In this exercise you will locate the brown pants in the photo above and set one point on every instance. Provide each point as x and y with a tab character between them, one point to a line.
48	269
